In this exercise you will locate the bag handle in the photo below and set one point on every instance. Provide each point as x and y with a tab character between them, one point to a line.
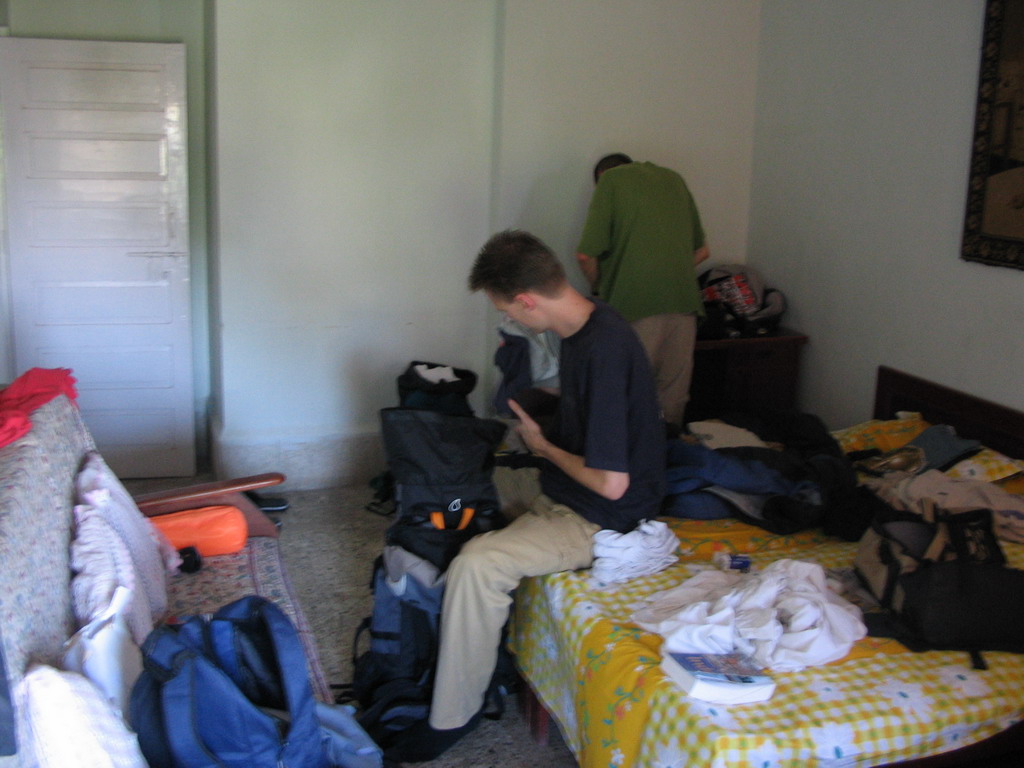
939	543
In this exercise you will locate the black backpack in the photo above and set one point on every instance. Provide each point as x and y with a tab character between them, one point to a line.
392	679
442	467
430	387
942	578
440	463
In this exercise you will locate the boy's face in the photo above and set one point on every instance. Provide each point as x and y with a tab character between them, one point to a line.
522	309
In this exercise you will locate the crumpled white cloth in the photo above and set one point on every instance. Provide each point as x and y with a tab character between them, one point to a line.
647	549
784	616
436	374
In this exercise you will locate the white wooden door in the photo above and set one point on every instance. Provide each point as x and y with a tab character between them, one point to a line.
97	215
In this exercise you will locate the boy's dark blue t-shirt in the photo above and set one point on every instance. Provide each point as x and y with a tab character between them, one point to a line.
609	414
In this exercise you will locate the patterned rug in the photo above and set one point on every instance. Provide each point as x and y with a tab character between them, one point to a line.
257	569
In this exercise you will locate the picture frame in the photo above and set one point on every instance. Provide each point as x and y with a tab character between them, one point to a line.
994	220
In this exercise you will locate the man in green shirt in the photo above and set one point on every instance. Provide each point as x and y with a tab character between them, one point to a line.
640	247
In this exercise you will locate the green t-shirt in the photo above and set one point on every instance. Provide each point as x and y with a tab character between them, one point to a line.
643	228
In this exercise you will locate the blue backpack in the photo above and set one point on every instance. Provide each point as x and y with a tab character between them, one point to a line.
393	679
233	691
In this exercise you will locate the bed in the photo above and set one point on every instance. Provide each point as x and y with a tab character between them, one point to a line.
594	672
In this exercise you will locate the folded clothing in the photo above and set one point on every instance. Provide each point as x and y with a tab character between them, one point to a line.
943	448
648	548
938	447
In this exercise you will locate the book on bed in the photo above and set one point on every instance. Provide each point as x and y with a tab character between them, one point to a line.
720	678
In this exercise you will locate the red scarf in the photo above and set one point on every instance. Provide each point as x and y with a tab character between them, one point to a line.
34	388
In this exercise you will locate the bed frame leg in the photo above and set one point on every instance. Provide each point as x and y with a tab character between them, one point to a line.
537	718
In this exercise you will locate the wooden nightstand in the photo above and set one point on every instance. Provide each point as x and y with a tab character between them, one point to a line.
759	373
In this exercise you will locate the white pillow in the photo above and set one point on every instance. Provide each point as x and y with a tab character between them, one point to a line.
104	652
718	434
102	563
98	486
71	726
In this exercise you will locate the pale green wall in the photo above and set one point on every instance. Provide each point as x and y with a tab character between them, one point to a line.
668	82
361	151
864	128
354	158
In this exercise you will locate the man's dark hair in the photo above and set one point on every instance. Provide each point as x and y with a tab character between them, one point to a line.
513	262
610	161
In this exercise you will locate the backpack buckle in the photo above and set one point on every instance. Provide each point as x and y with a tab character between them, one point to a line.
440	520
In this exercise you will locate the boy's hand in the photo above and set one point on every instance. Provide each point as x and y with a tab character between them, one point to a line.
528	429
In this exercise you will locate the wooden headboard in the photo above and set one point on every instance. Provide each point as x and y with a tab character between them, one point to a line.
996	426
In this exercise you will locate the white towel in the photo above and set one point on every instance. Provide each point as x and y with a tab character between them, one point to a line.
436	374
647	549
717	434
785	616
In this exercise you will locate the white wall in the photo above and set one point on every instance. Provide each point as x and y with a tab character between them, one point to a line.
670	82
862	144
366	150
353	148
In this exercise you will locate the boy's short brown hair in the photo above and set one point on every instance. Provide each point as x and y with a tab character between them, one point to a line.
513	262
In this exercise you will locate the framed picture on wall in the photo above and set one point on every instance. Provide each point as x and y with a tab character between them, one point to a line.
994	221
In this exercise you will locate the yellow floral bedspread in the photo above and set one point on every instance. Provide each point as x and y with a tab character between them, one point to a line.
599	676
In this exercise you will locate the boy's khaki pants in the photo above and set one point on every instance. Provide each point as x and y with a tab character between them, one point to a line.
545	537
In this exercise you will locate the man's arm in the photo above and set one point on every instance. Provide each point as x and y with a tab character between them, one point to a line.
701	254
588	266
604	482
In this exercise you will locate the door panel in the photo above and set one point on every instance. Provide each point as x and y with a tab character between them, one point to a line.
95	176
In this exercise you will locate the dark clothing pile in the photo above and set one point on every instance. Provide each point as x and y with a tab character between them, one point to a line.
809	483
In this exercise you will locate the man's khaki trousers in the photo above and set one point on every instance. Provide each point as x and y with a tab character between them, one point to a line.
669	340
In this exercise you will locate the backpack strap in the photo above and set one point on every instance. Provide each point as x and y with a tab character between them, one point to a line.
397	704
939	543
145	709
364	626
177	696
160	648
440	520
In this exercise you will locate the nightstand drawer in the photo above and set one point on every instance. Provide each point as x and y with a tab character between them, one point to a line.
755	374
